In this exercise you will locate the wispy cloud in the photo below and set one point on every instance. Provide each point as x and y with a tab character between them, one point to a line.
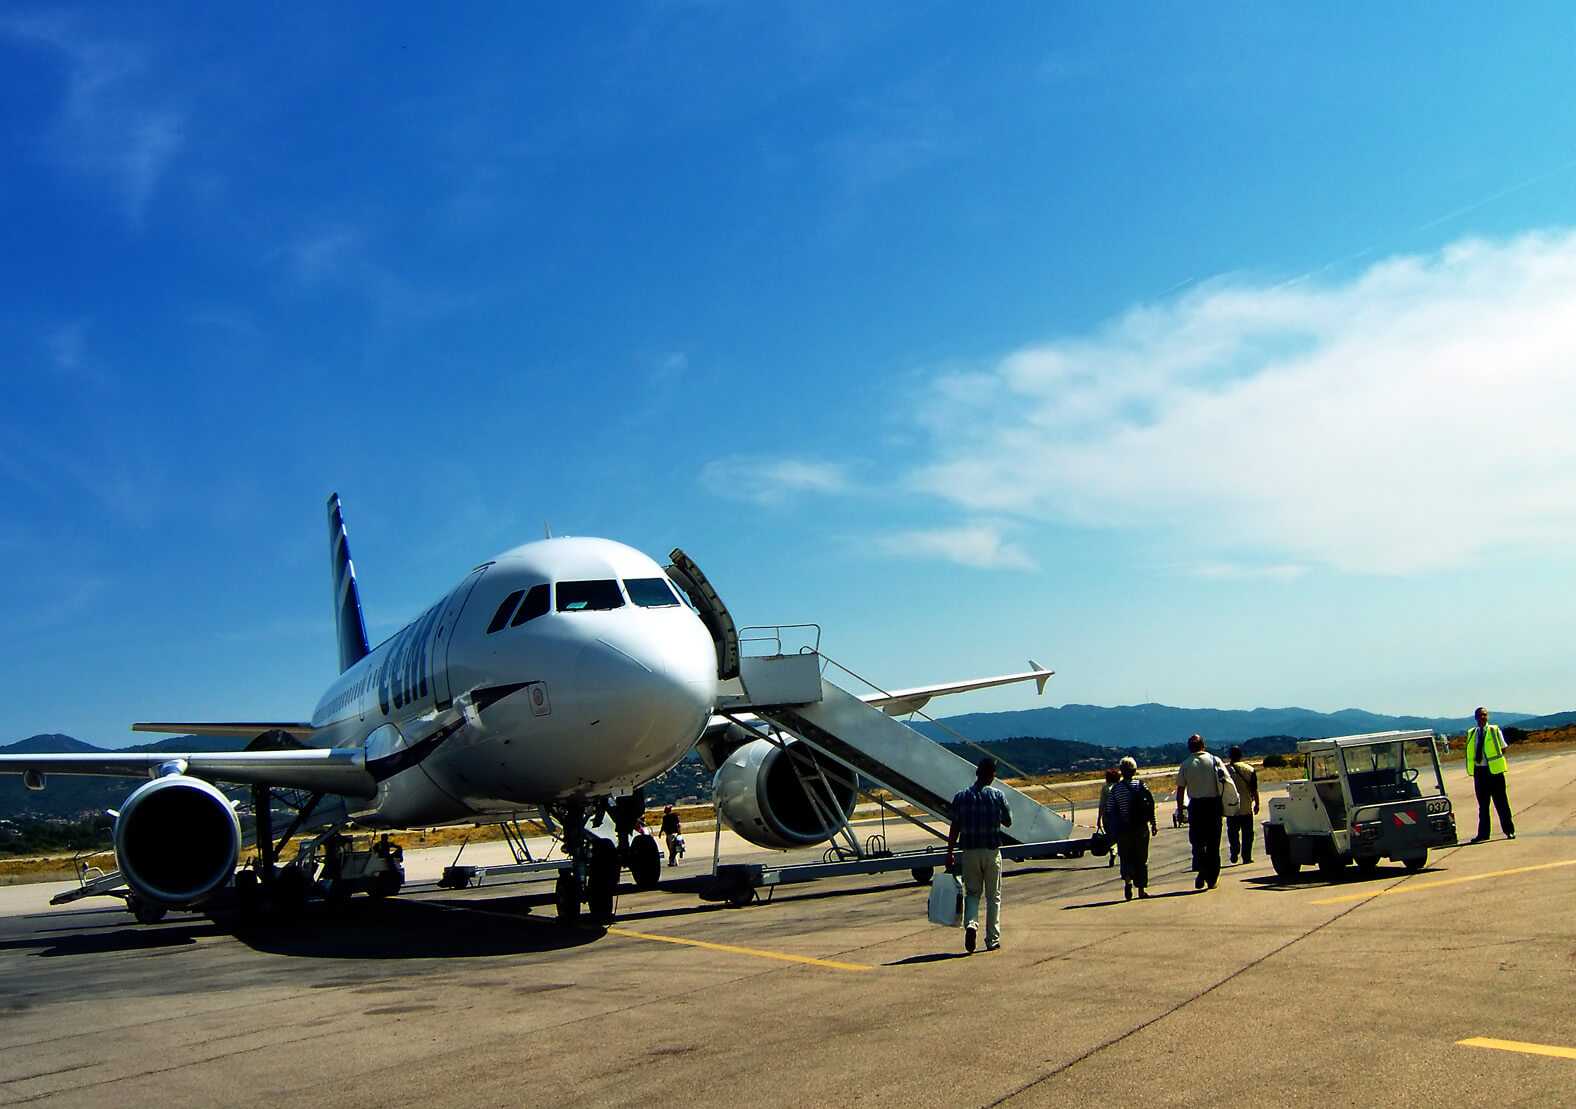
980	545
889	136
670	369
289	629
69	358
121	482
770	482
54	600
1237	571
340	256
1414	416
326	254
108	125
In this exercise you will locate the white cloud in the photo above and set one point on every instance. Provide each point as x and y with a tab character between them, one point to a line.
107	128
765	481
1415	416
980	545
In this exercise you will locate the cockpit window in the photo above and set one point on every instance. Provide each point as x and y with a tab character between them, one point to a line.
505	610
585	596
651	592
535	605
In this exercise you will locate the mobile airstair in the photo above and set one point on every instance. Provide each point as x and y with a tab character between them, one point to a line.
855	740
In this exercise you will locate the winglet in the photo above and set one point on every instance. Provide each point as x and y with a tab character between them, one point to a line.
1039	683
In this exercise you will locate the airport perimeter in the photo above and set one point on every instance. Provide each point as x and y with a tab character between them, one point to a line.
1452	985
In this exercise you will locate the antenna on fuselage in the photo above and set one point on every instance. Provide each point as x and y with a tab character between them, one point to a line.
547	530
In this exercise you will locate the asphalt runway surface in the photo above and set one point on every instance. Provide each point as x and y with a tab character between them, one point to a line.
1365	991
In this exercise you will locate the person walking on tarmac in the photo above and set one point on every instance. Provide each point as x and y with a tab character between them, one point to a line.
671	834
1199	782
1239	817
1112	776
1130	817
1486	764
978	815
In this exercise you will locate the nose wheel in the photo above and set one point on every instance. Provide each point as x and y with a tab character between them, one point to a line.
592	876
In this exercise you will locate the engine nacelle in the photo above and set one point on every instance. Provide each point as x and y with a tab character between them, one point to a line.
177	840
761	797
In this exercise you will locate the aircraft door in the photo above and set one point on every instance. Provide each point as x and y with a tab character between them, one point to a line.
709	607
453	607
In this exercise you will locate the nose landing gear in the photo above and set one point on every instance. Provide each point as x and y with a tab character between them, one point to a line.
596	861
592	877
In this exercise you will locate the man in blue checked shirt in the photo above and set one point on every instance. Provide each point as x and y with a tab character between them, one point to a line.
979	813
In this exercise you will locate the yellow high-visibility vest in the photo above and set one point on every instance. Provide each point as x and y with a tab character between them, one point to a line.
1493	747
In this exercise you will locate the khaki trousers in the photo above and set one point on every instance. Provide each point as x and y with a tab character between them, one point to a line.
980	869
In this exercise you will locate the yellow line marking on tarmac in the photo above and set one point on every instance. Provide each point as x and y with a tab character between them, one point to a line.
1410	887
832	964
1516	1045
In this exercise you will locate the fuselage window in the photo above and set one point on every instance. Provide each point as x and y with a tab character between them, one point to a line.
505	610
585	596
651	592
535	605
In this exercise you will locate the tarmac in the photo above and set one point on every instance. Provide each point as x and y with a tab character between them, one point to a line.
1452	985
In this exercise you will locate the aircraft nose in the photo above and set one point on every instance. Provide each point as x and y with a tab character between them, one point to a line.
660	691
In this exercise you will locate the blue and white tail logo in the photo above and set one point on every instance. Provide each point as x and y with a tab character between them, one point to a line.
348	621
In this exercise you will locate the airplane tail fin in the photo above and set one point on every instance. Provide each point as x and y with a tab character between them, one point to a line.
348	621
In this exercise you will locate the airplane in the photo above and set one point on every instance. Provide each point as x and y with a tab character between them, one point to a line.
560	676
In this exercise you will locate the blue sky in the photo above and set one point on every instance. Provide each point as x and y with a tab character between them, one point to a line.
1218	358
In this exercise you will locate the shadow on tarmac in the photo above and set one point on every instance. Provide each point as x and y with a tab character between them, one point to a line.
392	929
933	957
1271	883
115	938
1124	901
396	929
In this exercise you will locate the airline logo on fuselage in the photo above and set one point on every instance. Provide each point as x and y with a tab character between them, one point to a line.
406	673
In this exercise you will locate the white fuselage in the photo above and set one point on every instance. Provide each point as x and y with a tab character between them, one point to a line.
566	668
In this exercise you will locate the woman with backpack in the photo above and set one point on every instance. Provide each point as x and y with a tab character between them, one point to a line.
1130	816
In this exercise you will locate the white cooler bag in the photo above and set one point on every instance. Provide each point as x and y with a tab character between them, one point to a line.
946	901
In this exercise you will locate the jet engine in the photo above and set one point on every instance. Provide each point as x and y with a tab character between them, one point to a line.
761	796
177	840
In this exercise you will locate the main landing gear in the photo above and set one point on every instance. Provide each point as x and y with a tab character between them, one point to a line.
327	866
637	847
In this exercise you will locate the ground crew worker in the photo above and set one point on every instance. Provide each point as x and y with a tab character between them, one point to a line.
1198	781
978	815
670	832
1486	764
1239	820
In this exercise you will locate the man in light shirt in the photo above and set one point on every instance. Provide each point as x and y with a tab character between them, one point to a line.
978	815
1198	785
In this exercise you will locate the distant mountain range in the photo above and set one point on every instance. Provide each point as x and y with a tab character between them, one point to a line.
1154	725
74	796
1538	723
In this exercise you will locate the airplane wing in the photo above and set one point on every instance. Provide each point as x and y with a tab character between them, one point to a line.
902	701
297	729
320	770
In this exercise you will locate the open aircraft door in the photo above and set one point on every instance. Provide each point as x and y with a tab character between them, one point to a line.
452	607
709	607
